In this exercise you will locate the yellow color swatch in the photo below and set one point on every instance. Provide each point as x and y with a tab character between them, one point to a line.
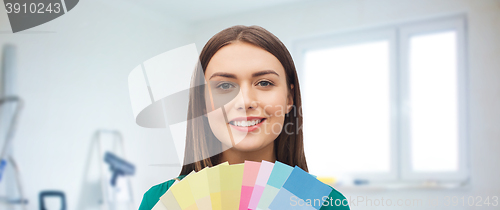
232	176
213	176
183	193
169	201
199	187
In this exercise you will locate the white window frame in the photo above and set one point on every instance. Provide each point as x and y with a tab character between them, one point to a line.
359	38
398	36
456	24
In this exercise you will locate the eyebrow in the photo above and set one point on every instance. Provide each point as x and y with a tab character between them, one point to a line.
232	76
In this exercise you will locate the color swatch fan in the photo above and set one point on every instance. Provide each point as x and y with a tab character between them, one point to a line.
250	185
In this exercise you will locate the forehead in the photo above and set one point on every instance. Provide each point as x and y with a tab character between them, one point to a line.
241	59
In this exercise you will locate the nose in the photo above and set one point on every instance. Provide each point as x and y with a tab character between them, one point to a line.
246	99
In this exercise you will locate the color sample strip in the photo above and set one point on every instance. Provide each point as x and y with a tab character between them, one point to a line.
199	187
183	193
168	200
213	176
260	183
301	191
159	206
250	172
276	180
231	177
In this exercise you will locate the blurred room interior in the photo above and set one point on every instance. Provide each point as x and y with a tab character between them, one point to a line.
440	57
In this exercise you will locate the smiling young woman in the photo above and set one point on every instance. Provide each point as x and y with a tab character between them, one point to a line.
249	109
263	93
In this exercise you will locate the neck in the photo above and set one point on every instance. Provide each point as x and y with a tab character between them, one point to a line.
233	156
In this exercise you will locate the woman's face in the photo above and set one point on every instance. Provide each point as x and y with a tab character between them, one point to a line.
247	97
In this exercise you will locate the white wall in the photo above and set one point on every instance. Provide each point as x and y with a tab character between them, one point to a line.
73	75
290	23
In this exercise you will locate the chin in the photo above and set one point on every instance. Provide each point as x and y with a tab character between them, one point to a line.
250	145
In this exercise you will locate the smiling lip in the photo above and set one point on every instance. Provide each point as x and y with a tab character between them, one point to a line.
247	118
249	128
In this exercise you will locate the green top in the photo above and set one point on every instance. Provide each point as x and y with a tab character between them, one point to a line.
152	196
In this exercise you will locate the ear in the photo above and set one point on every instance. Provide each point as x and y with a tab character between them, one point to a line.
290	99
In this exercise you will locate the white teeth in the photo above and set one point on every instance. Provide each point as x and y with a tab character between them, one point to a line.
246	123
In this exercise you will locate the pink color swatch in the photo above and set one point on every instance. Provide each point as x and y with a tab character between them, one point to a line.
260	183
250	173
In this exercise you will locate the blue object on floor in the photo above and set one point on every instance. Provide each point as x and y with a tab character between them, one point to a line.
118	166
50	193
3	163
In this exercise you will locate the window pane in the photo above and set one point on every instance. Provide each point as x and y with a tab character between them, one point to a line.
433	102
346	109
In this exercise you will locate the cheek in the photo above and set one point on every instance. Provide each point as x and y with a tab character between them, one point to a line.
218	126
221	129
275	109
275	105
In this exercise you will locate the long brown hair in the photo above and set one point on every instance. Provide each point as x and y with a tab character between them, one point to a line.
200	140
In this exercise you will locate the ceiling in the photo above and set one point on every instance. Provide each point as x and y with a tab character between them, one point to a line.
198	10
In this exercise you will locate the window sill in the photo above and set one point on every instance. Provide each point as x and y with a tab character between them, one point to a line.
404	186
